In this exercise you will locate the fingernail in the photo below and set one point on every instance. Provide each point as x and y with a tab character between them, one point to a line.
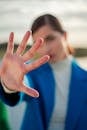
36	95
28	32
11	36
47	57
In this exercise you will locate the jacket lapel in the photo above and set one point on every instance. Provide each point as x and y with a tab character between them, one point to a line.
47	91
44	82
77	97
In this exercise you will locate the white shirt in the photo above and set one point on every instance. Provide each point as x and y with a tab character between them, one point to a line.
62	74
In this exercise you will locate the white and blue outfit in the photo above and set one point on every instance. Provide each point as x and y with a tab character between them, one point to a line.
62	103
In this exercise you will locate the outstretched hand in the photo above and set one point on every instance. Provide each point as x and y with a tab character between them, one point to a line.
14	67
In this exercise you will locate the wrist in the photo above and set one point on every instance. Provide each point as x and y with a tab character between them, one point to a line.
6	89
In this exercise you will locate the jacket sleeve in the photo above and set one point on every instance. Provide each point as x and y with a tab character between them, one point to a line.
13	99
9	99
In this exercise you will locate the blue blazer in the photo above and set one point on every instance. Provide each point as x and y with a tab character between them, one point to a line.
39	110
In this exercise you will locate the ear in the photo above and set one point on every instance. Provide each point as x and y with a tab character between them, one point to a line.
65	35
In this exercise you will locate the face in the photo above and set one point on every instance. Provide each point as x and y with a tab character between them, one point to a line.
54	43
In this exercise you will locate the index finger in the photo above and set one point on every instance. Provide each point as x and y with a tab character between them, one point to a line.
36	64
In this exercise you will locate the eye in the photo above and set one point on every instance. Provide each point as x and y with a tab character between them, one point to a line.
49	38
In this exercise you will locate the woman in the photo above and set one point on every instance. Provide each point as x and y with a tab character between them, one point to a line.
61	83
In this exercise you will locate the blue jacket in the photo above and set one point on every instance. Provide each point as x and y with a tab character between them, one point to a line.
39	110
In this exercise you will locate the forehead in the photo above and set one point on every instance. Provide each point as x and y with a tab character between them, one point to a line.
43	32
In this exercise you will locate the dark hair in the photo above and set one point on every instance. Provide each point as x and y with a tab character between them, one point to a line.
47	19
53	22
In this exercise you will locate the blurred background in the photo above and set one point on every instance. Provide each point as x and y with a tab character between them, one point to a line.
17	16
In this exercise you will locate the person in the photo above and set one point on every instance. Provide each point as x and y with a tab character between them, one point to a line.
61	83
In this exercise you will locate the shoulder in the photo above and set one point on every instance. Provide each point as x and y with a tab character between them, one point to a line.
78	70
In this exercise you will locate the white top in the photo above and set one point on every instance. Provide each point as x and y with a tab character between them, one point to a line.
62	74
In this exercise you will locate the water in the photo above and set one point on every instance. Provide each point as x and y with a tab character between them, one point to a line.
18	15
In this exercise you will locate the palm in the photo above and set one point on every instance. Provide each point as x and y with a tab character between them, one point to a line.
13	71
13	66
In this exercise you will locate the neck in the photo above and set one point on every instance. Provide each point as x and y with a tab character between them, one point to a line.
63	56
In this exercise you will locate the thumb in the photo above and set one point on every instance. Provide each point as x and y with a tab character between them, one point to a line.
29	91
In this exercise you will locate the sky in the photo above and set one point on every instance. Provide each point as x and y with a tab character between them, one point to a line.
17	16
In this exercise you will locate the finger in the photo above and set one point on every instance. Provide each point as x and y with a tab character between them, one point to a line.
29	91
37	63
10	46
29	54
22	45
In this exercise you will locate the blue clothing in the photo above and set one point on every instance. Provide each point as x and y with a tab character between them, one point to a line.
39	110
